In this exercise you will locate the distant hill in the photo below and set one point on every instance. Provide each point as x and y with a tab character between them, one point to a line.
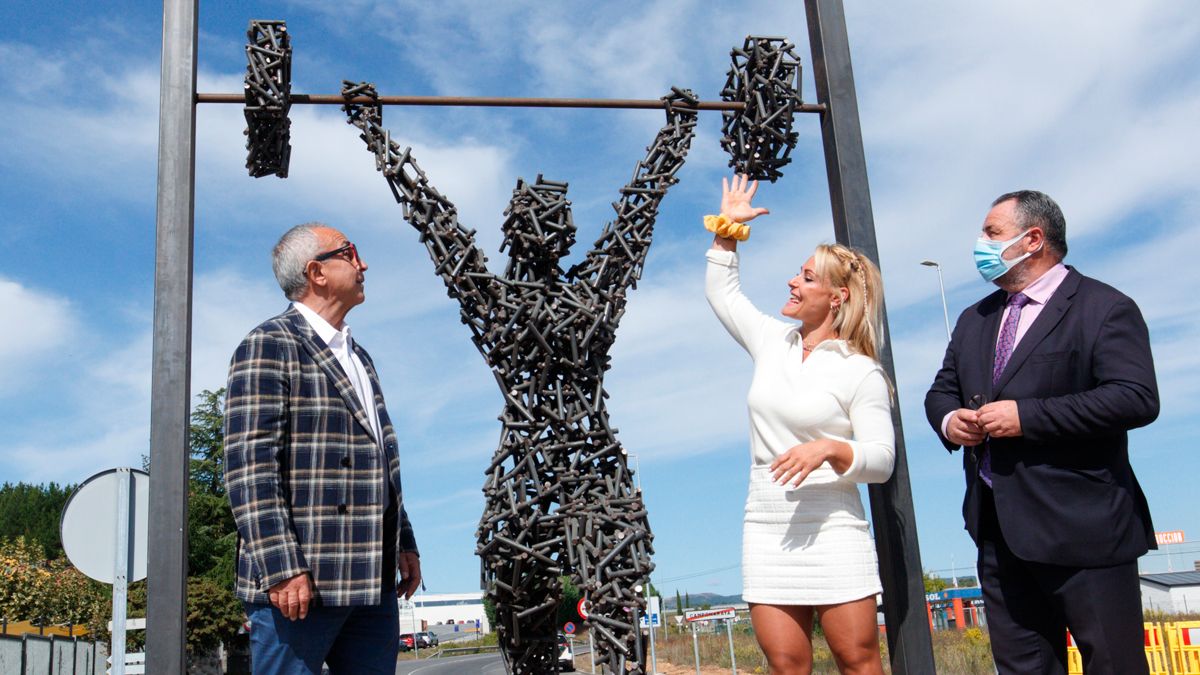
701	599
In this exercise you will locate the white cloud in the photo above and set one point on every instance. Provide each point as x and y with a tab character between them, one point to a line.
39	324
1096	104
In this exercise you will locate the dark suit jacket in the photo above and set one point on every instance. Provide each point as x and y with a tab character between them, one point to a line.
1082	376
303	472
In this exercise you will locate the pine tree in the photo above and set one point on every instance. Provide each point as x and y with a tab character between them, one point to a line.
212	534
678	603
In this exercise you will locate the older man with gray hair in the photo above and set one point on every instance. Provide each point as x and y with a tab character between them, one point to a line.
1041	384
313	475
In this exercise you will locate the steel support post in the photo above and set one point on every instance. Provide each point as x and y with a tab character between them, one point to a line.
909	644
122	565
171	378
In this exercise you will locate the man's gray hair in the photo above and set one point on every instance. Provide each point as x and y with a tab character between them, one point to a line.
1037	209
291	255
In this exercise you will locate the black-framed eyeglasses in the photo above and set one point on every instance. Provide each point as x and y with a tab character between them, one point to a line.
340	252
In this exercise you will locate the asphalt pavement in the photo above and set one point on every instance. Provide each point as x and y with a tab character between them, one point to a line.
472	664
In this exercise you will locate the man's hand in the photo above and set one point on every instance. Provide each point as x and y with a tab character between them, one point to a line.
410	574
291	597
964	429
1000	419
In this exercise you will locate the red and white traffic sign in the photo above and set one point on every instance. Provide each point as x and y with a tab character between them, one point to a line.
582	608
710	614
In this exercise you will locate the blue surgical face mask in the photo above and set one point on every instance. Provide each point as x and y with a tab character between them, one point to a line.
989	256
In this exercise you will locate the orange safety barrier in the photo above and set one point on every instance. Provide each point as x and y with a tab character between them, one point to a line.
1156	651
28	627
1183	639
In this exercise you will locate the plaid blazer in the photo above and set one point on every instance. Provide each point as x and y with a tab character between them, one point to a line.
303	472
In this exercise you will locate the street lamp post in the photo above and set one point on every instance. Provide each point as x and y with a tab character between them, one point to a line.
942	287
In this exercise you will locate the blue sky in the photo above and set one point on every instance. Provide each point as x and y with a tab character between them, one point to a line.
1094	103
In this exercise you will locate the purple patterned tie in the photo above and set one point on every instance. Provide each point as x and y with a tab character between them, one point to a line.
1004	350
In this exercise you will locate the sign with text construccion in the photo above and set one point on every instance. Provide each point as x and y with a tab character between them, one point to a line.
710	614
1172	537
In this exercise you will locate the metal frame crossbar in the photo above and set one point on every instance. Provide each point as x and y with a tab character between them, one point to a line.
909	641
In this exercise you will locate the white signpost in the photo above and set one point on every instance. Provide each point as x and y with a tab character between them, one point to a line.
103	530
651	620
652	617
697	616
1165	539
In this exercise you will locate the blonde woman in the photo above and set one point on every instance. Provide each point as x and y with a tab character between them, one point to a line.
820	422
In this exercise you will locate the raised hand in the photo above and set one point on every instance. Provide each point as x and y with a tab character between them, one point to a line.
735	199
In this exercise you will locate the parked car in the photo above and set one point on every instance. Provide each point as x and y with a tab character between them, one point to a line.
426	639
566	660
407	640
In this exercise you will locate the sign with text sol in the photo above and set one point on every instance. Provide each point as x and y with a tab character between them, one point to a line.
1172	537
710	614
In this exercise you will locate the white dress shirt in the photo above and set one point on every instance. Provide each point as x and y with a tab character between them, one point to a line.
341	344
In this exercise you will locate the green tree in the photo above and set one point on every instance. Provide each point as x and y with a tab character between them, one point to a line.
46	592
678	604
933	584
33	512
38	584
206	438
687	599
568	608
214	613
212	533
489	610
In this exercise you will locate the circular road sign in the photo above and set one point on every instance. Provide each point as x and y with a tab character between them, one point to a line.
582	608
89	524
569	628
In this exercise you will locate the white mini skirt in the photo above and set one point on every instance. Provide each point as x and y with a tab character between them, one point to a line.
809	545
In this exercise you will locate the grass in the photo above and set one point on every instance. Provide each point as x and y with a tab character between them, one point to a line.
962	653
967	652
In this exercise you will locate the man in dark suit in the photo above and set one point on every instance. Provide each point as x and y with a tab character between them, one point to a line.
313	475
1041	382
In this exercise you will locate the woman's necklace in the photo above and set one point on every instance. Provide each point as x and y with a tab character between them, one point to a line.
808	348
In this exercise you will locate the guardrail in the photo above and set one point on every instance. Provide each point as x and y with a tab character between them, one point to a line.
461	651
49	654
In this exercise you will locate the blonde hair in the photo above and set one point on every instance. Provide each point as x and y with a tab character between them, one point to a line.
858	319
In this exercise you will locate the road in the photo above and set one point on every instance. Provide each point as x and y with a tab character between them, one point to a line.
474	664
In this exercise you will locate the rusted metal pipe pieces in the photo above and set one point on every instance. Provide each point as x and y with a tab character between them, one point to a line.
268	92
766	77
559	496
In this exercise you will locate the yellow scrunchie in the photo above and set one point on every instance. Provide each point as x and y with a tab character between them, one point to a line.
723	226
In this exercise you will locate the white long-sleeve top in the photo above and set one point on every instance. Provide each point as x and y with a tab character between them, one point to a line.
834	393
